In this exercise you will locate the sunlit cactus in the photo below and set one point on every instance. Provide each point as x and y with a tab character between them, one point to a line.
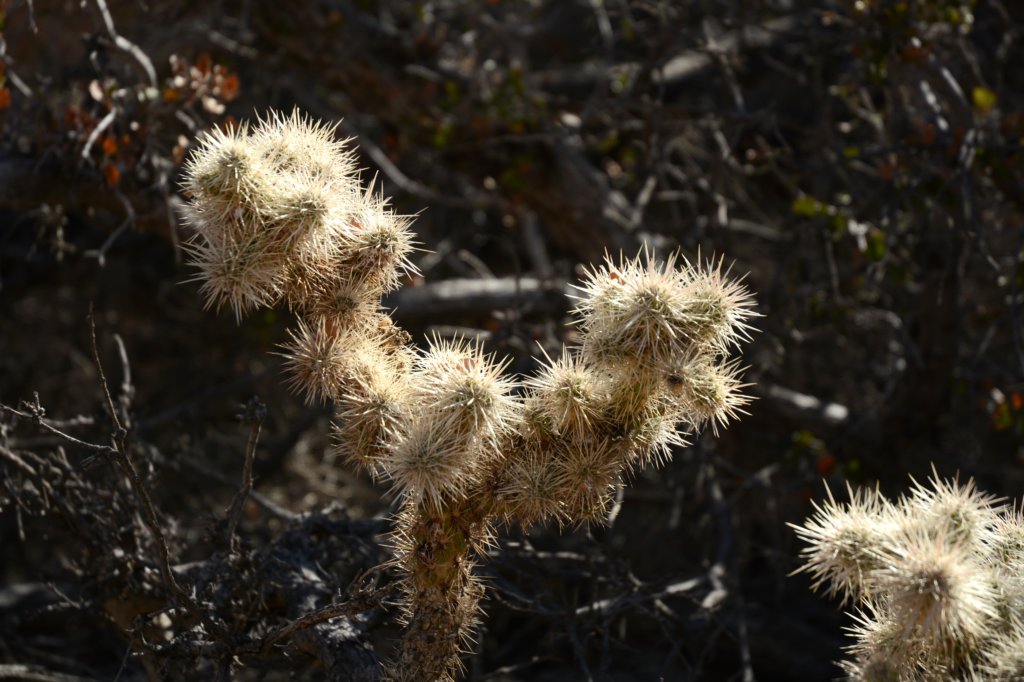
279	213
936	576
280	216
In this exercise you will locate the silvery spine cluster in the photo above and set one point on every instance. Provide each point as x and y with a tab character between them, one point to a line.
937	578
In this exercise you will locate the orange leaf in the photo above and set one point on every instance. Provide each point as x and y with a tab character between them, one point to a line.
171	95
111	174
204	62
5	98
109	145
229	87
1017	400
826	464
926	132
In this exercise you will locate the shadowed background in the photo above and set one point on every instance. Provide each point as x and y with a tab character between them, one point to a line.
860	163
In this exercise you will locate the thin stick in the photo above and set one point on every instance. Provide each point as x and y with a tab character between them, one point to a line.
27	672
126	45
362	601
32	17
255	412
149	515
104	123
100	254
36	414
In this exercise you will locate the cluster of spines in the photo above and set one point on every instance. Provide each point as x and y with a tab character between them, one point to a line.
651	366
464	412
280	216
937	577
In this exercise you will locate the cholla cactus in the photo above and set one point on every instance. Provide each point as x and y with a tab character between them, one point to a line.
280	216
938	577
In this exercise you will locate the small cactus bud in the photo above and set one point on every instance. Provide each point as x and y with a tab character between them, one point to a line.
959	512
937	591
429	463
633	312
567	394
224	172
298	144
372	403
316	360
236	272
844	541
653	313
533	489
379	244
717	308
465	388
588	472
709	392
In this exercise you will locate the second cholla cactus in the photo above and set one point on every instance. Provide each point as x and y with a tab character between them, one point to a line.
938	578
280	215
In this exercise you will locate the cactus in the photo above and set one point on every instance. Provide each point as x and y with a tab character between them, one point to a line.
280	216
937	576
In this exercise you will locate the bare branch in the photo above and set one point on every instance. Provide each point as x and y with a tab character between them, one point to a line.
100	128
255	413
149	515
476	296
126	45
35	673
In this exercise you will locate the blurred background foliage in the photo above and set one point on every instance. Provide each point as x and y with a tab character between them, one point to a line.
860	162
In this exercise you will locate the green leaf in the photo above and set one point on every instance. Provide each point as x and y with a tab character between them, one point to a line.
1002	418
984	99
808	207
876	245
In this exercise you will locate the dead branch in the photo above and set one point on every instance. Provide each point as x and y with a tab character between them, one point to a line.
255	413
36	673
149	515
477	297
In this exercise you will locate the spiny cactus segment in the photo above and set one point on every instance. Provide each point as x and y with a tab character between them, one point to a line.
280	216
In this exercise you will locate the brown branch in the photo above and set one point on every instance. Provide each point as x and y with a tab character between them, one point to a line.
149	514
36	414
692	63
804	407
34	673
126	45
475	296
13	457
613	605
360	603
255	412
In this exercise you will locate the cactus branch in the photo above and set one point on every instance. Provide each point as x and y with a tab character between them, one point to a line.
280	215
